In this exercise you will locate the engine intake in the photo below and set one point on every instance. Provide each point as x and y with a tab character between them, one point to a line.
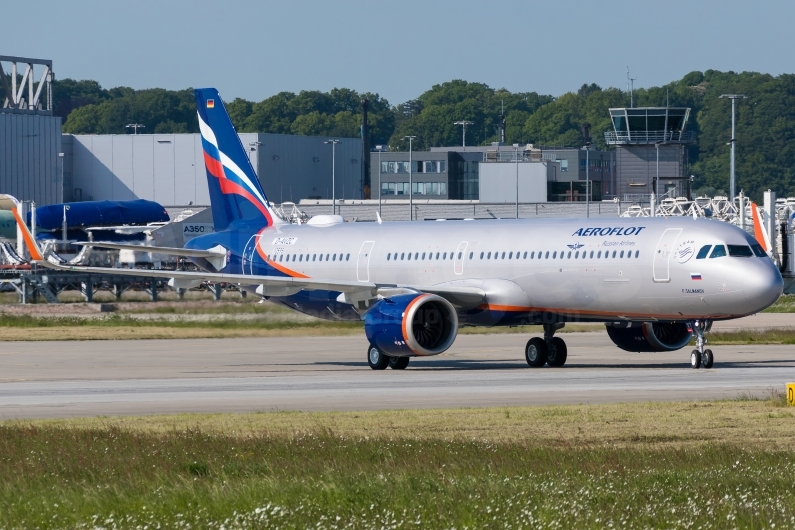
412	324
649	336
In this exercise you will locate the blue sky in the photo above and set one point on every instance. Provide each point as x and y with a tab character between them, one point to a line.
254	49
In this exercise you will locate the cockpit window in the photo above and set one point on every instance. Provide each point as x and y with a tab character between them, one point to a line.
718	252
758	250
740	251
703	252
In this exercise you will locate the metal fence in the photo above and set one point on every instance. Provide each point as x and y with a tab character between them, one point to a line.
391	211
647	137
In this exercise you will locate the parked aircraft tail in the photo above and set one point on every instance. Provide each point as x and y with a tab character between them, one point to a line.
236	196
8	202
760	233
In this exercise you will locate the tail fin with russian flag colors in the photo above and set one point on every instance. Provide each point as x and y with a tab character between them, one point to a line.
760	233
236	196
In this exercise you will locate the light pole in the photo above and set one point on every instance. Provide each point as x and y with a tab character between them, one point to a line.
380	190
333	167
464	124
516	153
587	180
656	191
732	97
411	185
134	127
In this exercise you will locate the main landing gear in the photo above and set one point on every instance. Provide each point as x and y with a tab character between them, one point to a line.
378	360
550	350
701	357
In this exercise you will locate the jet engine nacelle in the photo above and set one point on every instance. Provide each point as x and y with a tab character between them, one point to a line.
649	336
411	324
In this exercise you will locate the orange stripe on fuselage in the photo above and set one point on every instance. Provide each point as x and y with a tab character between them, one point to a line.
562	311
28	237
272	263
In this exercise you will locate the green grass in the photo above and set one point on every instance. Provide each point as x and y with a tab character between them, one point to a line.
785	304
752	336
374	470
113	321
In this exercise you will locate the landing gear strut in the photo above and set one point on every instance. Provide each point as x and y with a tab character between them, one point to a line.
701	357
550	350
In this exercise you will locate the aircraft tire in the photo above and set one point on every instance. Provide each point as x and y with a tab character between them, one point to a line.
377	359
535	352
399	363
695	359
707	359
557	352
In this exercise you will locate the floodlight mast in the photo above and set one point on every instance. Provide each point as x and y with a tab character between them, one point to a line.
516	155
463	123
631	87
134	127
411	184
333	176
732	181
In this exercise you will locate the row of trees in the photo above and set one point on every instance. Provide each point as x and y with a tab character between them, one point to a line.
765	122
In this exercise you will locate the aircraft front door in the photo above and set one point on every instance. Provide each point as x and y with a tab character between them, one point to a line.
248	255
662	255
363	263
460	255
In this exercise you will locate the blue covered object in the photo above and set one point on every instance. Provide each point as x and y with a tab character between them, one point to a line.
100	213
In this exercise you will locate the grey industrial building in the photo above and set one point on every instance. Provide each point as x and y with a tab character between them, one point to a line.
456	173
169	168
30	136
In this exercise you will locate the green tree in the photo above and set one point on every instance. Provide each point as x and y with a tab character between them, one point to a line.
431	117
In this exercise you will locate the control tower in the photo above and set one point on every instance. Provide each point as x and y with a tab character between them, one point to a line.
641	137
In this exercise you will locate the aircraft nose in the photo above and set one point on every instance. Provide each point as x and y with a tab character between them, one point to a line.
764	285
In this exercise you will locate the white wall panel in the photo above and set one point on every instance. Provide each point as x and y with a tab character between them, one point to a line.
124	179
171	171
102	169
184	174
498	182
163	164
143	166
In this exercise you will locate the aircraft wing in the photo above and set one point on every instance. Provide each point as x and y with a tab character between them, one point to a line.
309	284
460	297
174	251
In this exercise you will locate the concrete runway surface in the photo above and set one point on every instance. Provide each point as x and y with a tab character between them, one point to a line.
75	378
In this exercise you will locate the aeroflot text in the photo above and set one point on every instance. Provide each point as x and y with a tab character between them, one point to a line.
618	231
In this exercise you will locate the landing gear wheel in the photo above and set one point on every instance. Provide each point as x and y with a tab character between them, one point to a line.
695	359
557	352
707	359
399	363
377	359
535	352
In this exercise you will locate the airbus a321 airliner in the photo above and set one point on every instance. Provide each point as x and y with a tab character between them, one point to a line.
653	282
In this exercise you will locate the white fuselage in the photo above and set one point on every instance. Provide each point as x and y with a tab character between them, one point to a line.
589	269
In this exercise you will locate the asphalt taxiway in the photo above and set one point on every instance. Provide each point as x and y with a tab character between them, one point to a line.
87	378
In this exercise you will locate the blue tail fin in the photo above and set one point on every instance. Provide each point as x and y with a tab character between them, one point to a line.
235	191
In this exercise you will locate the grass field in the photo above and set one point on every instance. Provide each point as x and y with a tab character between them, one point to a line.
674	465
119	326
785	304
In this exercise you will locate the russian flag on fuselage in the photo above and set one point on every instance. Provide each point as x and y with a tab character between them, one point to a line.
235	191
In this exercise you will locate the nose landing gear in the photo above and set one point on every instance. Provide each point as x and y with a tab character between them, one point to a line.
701	357
550	350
